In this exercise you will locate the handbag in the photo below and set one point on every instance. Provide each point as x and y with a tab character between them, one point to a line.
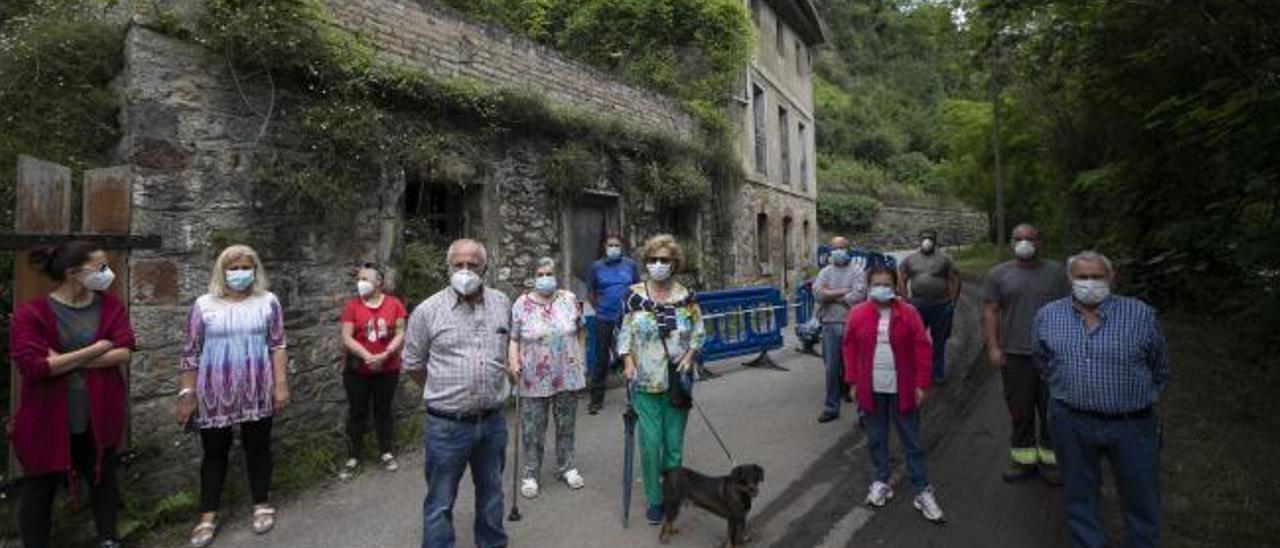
679	385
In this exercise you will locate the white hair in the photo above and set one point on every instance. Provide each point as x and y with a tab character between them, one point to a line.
1090	256
544	262
460	243
218	278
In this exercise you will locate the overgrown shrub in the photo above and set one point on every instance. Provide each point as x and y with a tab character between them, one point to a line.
572	167
847	212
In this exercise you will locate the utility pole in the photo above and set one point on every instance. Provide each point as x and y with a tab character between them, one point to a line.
997	65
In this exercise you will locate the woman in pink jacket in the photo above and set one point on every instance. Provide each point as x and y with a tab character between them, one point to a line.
887	357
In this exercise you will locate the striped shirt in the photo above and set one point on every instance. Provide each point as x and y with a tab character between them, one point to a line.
1118	366
463	349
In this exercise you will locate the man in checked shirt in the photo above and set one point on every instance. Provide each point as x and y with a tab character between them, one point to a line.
1105	362
456	348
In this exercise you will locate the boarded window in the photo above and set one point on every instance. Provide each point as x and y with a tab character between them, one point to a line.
762	239
784	145
803	141
780	34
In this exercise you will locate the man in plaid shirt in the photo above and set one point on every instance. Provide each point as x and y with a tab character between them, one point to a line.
1105	362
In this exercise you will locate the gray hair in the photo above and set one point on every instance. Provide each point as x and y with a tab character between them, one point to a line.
459	243
1090	256
544	262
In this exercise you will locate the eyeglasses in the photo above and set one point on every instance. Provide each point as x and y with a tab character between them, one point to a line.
658	260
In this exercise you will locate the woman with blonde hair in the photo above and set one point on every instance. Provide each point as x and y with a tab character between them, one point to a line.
233	373
659	342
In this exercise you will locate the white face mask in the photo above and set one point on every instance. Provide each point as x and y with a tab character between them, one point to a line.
545	285
98	280
239	280
881	293
1024	249
659	272
1090	292
465	282
613	252
364	288
926	245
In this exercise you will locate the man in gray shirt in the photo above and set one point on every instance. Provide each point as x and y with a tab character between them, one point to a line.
840	285
455	348
1013	293
930	277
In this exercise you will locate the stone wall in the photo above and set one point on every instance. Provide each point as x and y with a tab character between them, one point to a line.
427	35
898	227
191	137
778	206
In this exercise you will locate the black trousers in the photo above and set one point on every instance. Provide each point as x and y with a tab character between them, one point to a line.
379	391
255	437
1028	398
604	330
35	517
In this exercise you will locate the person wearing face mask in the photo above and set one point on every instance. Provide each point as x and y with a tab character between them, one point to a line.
887	356
373	326
839	285
233	373
607	282
661	330
1106	363
1012	294
546	360
70	348
930	277
456	349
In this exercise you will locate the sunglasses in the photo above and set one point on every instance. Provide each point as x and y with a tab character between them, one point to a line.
658	260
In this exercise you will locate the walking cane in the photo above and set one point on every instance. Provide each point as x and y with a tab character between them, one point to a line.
515	470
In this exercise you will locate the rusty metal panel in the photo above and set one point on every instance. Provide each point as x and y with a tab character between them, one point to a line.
107	209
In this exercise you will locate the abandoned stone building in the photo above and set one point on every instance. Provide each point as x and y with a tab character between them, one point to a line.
196	134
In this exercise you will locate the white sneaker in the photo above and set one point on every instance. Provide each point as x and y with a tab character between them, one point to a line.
928	506
389	462
574	479
348	469
879	494
529	488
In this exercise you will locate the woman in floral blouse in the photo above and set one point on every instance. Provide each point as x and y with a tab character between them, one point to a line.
546	356
662	327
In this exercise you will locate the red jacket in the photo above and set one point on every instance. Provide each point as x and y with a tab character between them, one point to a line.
40	435
912	352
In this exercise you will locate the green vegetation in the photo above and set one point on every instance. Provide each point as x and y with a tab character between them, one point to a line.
880	93
693	50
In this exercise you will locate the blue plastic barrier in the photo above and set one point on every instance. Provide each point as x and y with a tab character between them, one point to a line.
740	322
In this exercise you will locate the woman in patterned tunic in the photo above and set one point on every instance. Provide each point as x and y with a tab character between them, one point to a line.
546	357
233	373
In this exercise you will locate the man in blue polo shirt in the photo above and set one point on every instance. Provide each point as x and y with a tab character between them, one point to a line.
607	282
1105	362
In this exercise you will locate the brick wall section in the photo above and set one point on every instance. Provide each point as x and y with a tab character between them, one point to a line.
426	35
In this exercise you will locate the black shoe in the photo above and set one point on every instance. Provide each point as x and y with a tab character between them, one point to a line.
1019	472
1051	475
827	417
848	398
593	408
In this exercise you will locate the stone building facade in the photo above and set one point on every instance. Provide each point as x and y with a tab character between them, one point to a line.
193	136
776	226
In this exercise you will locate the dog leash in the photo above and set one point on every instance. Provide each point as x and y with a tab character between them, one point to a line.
715	434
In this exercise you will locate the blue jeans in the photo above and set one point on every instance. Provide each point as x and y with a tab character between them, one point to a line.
937	318
450	447
876	425
833	359
1133	449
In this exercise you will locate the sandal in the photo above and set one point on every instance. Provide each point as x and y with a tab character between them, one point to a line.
264	519
203	534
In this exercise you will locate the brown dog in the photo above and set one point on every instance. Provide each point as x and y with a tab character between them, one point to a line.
726	496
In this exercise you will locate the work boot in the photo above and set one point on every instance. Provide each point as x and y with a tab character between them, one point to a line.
1019	472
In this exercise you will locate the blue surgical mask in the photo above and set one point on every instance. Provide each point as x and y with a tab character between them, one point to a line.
239	280
613	252
1090	292
881	293
545	285
840	256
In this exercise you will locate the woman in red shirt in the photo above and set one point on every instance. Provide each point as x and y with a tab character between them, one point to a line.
71	347
887	357
372	335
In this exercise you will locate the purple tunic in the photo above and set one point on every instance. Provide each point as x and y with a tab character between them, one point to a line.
229	345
